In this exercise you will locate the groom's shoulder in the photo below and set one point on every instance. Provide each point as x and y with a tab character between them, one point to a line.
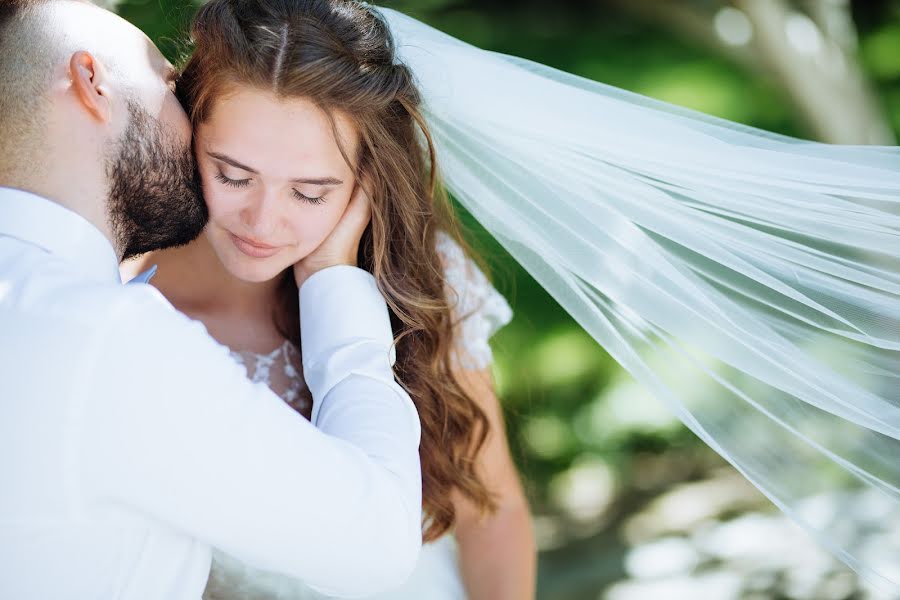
52	315
135	308
133	319
58	297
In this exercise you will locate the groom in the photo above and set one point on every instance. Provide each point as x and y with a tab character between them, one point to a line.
130	442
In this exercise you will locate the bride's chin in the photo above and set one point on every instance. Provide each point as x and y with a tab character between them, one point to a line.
254	273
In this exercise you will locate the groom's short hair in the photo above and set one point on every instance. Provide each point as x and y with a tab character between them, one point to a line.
27	60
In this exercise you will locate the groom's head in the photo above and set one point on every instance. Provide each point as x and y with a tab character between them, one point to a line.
88	118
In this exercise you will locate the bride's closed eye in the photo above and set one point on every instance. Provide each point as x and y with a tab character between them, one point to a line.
309	199
235	183
242	183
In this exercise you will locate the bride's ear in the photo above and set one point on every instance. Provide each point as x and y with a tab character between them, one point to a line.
91	85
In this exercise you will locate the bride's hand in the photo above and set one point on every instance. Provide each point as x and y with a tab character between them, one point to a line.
342	244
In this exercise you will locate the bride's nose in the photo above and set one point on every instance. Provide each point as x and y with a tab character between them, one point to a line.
260	214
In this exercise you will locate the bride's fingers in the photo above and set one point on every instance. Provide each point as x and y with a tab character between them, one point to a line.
358	212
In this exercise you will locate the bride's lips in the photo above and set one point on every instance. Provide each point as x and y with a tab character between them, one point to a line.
254	249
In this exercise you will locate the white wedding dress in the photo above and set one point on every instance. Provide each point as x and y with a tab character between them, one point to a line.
436	576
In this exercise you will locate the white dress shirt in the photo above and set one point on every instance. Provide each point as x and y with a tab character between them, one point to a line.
131	442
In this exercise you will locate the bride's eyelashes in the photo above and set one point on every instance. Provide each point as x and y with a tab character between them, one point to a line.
242	183
235	183
305	198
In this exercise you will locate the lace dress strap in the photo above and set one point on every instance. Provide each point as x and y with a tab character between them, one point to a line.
478	307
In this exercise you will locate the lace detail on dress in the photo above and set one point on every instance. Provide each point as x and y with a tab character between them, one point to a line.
480	307
282	371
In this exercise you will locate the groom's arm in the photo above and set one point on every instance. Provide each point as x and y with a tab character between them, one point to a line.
173	428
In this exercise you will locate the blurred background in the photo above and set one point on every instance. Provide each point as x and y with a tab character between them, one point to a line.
628	503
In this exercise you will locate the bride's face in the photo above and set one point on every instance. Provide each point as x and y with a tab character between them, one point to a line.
274	179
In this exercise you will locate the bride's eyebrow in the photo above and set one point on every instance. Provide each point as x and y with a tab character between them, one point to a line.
310	180
232	162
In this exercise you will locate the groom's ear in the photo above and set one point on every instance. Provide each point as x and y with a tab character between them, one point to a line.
90	83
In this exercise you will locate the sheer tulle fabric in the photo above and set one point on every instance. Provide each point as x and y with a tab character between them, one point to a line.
764	270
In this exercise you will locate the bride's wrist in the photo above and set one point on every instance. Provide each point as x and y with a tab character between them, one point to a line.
303	270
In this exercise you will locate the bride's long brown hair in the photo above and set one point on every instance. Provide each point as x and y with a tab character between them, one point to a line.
340	55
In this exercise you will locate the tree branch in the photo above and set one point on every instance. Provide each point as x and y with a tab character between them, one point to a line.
690	23
827	85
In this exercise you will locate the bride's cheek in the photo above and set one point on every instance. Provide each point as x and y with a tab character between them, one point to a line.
318	224
223	206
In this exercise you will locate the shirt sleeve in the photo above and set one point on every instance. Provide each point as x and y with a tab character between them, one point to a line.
173	428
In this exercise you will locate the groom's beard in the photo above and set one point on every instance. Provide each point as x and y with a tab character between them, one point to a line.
155	198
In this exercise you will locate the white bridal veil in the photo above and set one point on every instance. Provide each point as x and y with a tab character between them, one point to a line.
767	266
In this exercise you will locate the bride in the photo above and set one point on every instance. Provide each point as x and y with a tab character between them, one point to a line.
763	269
297	107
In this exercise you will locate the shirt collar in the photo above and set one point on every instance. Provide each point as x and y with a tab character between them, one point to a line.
59	231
